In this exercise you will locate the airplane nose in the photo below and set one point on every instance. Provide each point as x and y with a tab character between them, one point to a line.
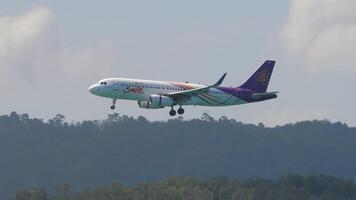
92	89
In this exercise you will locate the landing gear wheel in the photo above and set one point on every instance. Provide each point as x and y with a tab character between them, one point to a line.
113	104
172	113
180	111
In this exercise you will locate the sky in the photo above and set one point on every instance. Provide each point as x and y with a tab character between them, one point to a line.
52	51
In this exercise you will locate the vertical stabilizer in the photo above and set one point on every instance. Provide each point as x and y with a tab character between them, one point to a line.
258	82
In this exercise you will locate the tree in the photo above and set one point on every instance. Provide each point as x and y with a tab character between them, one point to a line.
35	194
63	192
58	120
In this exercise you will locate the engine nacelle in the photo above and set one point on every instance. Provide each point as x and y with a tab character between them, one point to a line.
156	101
144	104
159	101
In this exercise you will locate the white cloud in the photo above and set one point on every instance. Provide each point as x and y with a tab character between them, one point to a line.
31	50
321	33
23	39
89	61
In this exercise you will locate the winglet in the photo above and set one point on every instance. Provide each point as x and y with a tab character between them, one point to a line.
219	81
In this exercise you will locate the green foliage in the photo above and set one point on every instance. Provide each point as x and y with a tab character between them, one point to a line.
35	194
292	187
63	192
134	150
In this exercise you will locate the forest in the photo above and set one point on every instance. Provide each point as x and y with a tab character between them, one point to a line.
139	154
291	187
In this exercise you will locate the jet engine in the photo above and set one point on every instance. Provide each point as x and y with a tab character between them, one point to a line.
156	101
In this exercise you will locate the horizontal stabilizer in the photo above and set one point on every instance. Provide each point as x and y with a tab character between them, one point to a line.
264	94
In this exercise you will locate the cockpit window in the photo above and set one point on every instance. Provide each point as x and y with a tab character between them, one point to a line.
103	83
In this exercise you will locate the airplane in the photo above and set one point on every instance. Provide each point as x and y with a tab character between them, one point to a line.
159	94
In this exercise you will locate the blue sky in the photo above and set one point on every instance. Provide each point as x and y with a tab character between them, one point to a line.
51	51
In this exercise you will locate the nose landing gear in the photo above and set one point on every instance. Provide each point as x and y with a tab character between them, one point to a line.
113	104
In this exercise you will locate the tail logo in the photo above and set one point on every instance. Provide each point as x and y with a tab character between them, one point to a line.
262	77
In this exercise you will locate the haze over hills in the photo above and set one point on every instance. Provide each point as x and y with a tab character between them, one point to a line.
130	150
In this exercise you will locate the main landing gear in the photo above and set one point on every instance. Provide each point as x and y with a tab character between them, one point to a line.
180	110
113	104
172	112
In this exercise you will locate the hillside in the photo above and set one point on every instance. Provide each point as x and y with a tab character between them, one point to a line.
35	153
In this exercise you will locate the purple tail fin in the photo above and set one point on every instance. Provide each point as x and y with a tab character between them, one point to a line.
258	82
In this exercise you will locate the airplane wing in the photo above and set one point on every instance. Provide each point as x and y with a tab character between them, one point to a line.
187	94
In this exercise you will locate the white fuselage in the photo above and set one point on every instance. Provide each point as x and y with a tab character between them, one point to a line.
141	90
159	94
